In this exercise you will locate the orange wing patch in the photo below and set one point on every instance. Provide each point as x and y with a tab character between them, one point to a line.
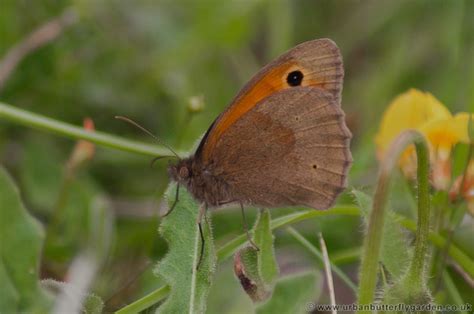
320	63
251	95
271	82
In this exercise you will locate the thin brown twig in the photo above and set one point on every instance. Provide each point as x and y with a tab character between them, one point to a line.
36	39
327	269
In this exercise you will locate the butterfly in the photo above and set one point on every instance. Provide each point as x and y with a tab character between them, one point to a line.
282	141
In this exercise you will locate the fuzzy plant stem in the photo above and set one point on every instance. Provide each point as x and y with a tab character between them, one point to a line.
416	270
43	123
230	247
371	252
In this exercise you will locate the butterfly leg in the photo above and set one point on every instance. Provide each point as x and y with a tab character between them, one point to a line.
246	228
202	212
176	199
226	202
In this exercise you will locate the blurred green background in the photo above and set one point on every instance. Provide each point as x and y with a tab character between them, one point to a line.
146	59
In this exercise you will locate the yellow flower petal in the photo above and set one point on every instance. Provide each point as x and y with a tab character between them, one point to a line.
409	110
444	133
462	120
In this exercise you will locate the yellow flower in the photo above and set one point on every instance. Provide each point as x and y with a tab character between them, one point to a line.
462	120
442	135
408	111
423	112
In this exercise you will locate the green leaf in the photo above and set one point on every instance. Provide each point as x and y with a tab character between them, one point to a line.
294	294
21	238
189	287
394	253
258	269
40	174
263	238
246	268
230	247
10	296
72	220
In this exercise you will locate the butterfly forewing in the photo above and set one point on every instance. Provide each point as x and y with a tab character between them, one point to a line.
292	148
317	63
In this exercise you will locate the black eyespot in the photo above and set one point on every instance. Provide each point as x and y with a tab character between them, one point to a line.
294	78
315	166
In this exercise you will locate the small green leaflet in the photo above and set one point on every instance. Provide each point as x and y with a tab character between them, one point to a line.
257	270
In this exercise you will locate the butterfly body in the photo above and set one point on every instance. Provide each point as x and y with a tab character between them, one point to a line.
281	142
205	187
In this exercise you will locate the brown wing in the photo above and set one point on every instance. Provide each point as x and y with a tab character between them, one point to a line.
292	148
321	65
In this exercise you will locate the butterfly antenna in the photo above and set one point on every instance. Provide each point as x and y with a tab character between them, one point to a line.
128	120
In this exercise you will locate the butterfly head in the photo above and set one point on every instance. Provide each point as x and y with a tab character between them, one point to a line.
181	172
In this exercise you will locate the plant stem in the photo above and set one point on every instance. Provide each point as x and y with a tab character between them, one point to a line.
346	256
452	290
327	269
416	272
370	258
230	247
314	250
461	258
43	123
455	219
145	302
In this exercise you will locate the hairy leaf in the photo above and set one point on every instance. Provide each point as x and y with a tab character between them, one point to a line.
394	253
189	286
246	268
294	294
257	269
21	238
263	238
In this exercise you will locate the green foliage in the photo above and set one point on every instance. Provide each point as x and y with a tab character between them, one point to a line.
39	173
255	268
21	291
263	238
294	294
189	285
10	296
404	292
395	252
246	267
415	276
146	59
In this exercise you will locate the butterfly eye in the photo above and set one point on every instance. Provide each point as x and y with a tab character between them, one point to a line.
183	172
294	78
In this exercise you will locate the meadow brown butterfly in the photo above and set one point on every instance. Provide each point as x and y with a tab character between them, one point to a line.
282	141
